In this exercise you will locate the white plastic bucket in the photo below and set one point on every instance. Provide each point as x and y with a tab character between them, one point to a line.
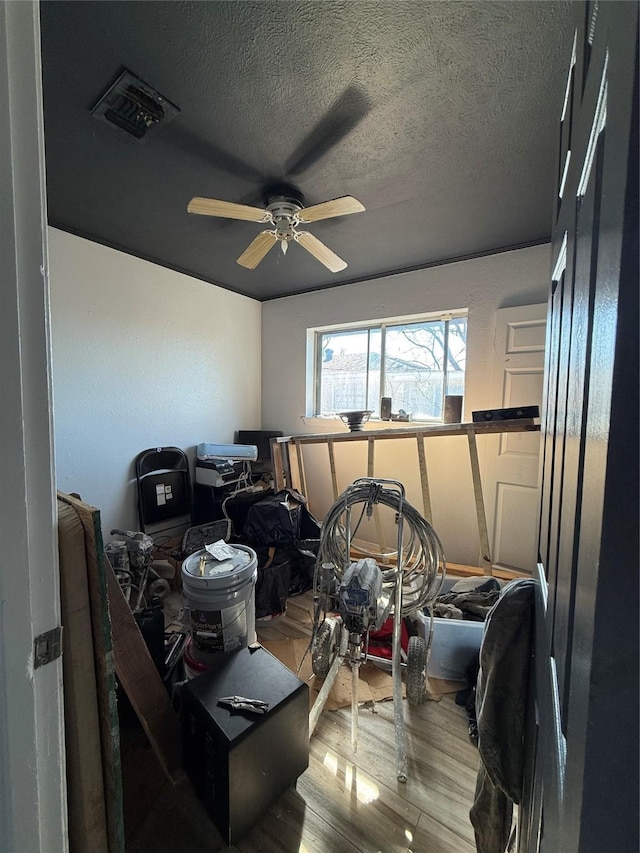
220	598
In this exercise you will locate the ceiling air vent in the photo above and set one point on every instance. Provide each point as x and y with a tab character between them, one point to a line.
134	106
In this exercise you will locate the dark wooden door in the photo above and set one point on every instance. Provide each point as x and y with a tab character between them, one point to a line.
581	785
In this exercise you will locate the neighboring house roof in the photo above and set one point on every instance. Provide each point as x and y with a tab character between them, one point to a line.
357	363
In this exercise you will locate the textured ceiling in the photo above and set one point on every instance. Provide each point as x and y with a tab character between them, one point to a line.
440	117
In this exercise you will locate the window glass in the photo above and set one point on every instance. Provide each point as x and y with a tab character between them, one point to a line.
414	368
349	370
415	364
457	360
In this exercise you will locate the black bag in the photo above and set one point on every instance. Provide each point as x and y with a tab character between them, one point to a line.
283	520
272	584
302	556
282	517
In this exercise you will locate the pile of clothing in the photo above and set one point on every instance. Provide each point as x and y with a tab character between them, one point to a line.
469	598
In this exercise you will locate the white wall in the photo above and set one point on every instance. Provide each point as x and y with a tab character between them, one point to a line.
142	357
482	286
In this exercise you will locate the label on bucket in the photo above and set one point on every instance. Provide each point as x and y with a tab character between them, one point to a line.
220	630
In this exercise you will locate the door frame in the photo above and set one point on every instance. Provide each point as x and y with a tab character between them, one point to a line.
33	814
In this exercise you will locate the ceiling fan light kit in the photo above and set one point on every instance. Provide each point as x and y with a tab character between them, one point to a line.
285	210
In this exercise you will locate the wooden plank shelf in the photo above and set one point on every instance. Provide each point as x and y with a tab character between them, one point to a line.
480	428
288	463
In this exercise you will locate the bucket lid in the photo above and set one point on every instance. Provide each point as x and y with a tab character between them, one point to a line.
202	569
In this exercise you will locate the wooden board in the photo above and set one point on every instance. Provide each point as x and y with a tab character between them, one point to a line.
485	553
460	570
141	681
480	428
424	480
100	641
83	748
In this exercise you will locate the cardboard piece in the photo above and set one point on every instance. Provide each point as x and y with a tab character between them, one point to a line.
375	684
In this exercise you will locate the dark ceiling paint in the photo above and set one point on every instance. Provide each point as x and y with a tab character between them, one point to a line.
441	117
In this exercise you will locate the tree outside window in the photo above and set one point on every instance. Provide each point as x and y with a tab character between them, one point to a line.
416	364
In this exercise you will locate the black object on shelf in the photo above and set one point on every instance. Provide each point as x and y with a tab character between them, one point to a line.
513	414
452	409
260	438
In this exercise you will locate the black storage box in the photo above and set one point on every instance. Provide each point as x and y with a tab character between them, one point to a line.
239	763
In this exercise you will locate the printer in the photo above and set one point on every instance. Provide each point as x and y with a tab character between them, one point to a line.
219	465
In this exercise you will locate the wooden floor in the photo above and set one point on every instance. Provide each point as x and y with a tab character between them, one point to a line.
346	802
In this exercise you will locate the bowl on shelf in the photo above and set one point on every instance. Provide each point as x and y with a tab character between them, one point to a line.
355	420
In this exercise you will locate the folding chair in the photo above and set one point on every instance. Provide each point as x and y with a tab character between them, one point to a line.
164	489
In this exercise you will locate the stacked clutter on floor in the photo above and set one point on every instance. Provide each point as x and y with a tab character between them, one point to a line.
145	584
132	560
244	715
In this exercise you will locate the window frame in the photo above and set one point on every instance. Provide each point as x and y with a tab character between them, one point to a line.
315	338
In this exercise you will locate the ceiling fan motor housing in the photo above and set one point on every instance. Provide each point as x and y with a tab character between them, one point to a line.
284	206
282	192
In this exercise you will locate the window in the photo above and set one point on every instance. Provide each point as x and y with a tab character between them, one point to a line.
415	363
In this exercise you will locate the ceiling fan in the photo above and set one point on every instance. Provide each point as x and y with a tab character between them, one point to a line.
284	209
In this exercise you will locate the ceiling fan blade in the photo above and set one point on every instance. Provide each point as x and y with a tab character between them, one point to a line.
328	209
227	209
257	249
345	113
320	251
214	156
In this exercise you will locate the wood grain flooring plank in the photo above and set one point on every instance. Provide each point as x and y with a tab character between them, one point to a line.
369	814
432	836
442	763
376	737
443	731
438	784
291	826
294	624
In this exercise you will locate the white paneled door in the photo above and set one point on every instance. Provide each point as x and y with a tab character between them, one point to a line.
511	481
